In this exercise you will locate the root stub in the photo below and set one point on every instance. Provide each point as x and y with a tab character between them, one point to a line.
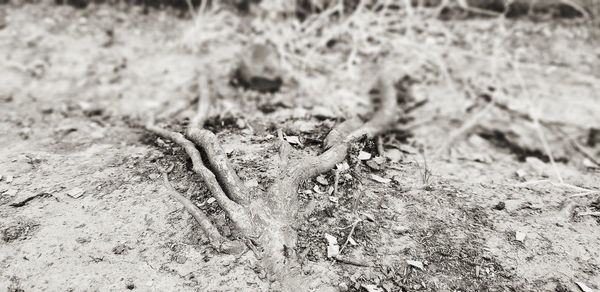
268	219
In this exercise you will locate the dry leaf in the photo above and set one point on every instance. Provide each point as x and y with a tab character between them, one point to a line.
379	160
352	241
380	179
333	251
372	288
416	264
368	216
520	236
362	155
294	140
322	180
584	287
342	166
331	240
394	155
76	193
317	189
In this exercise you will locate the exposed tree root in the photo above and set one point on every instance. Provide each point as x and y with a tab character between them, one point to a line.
267	220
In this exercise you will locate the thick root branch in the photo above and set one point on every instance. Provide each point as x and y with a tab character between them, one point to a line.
219	164
204	103
235	211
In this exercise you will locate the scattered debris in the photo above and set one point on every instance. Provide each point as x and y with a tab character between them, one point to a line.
416	264
368	216
83	240
342	166
376	163
352	241
500	206
595	214
10	193
362	155
333	249
76	192
394	155
590	164
120	249
19	229
520	236
323	113
521	173
322	180
180	259
317	189
372	288
584	287
294	140
380	179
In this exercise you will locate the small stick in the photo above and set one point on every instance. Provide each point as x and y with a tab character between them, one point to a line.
215	238
350	234
463	130
351	262
336	182
595	214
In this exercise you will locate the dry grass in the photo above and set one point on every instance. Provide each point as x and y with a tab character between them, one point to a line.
334	49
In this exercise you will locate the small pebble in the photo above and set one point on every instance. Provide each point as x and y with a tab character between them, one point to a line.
180	259
76	193
500	206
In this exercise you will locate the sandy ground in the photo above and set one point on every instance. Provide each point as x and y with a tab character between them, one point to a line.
82	209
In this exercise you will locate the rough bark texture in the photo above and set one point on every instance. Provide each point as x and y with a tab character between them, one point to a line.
268	220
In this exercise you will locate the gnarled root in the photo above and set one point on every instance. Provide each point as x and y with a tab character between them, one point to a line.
268	219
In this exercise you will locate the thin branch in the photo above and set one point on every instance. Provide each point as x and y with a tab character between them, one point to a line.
596	214
350	234
215	238
351	262
463	130
536	122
